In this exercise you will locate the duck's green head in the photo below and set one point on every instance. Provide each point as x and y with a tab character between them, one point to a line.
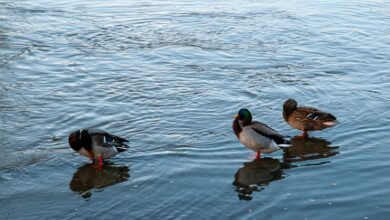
244	115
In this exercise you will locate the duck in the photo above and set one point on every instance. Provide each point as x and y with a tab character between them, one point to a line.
306	118
96	144
255	135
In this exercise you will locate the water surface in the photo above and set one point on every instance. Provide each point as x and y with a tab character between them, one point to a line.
168	75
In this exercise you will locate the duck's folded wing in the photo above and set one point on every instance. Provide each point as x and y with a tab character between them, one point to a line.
316	114
99	132
106	141
265	130
323	116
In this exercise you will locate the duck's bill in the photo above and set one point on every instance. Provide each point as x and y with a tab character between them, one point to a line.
235	116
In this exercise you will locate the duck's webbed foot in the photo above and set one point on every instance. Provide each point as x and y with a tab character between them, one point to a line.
303	135
98	163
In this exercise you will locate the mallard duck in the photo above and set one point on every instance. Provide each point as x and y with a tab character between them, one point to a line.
306	118
256	135
96	144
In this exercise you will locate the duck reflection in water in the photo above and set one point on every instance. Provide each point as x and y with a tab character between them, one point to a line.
86	178
256	174
309	148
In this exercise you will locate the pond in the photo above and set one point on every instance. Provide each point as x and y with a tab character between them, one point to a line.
169	75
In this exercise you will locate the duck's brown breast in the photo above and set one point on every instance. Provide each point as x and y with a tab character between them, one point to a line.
236	128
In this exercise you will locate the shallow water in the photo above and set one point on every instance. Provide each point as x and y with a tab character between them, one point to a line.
169	75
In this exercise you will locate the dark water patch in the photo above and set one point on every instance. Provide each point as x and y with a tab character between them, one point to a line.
256	174
309	149
87	178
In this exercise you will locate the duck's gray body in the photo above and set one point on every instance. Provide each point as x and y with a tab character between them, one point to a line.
106	144
257	136
94	143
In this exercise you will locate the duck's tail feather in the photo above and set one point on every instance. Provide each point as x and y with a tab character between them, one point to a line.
123	147
331	123
284	145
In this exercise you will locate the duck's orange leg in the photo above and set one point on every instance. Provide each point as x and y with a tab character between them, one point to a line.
258	155
303	135
100	158
98	163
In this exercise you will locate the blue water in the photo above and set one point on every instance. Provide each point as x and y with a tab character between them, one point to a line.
169	75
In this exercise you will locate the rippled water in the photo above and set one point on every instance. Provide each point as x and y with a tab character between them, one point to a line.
169	75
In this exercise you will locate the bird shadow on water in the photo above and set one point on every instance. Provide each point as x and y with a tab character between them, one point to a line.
88	178
254	176
310	148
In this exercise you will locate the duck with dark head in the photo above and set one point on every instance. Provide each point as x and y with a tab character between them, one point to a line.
96	144
306	118
255	135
